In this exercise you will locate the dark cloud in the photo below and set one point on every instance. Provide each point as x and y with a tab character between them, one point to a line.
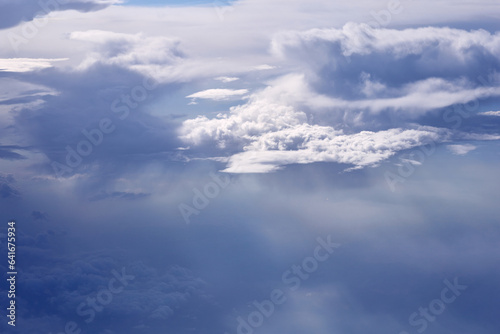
7	187
61	124
7	152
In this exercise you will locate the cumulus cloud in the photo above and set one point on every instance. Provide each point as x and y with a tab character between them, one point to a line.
272	135
410	70
359	150
434	44
348	74
144	54
242	125
347	77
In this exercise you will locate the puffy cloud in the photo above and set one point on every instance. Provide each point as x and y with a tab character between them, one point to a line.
360	150
412	70
433	44
244	124
272	135
349	77
132	51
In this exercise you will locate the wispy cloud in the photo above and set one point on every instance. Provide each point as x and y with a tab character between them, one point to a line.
219	94
26	64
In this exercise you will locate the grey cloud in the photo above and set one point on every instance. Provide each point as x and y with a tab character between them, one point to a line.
7	152
7	187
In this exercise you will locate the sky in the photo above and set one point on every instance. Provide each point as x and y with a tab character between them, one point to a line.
250	166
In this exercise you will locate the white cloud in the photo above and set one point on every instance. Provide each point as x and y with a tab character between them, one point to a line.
264	67
360	150
243	125
490	113
269	135
227	79
134	51
461	149
361	39
26	64
411	71
219	94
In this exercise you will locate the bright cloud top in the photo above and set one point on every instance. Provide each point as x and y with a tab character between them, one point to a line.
272	135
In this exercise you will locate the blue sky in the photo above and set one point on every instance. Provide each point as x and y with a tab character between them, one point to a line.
283	166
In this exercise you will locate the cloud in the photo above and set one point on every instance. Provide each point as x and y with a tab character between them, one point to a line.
219	94
461	149
147	293
353	102
412	70
490	113
227	79
26	64
242	125
435	45
7	187
359	150
7	152
146	55
12	12
272	135
264	67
